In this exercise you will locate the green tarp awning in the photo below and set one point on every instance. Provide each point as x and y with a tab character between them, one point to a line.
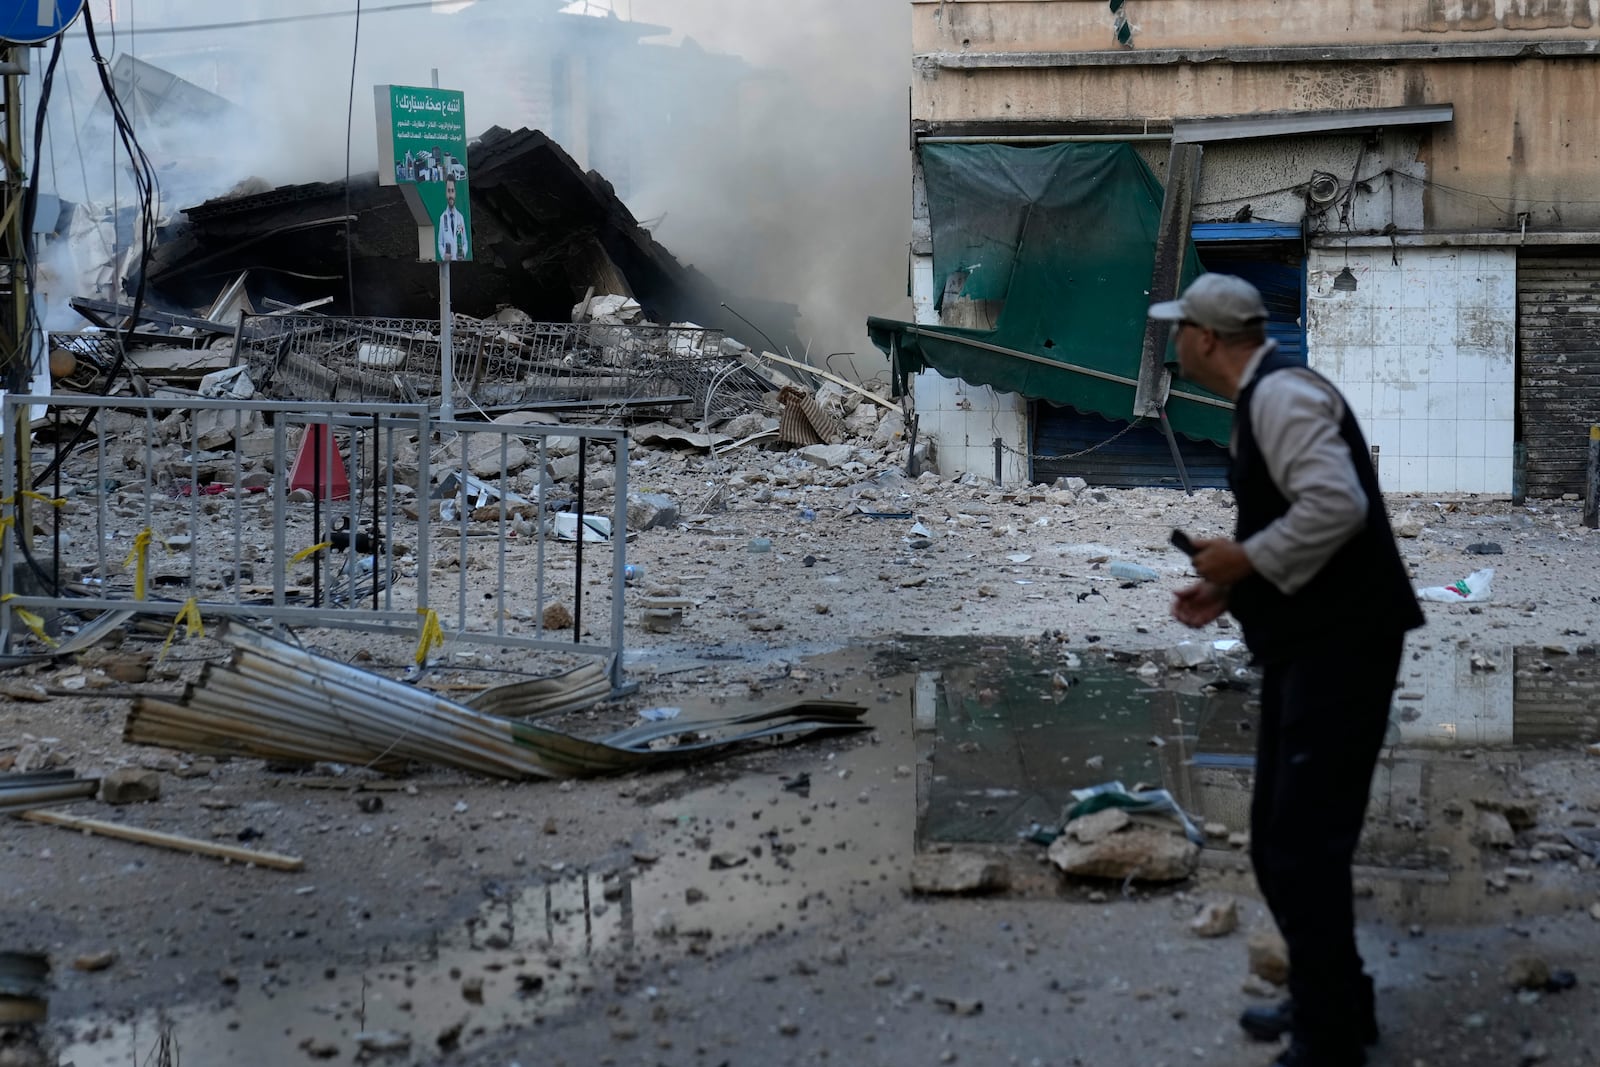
1061	241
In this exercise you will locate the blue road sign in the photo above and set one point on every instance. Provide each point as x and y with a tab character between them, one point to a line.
36	21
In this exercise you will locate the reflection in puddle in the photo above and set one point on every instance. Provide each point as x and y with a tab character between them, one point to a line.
1010	728
998	732
734	863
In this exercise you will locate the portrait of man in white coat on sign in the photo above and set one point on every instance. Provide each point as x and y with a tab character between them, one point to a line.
452	228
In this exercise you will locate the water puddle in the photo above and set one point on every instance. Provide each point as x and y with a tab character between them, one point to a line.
976	742
1010	728
751	858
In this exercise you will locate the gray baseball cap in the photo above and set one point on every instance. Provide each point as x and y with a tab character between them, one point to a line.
1220	302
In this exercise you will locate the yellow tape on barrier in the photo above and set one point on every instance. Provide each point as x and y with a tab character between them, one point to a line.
30	620
432	635
139	558
189	617
306	553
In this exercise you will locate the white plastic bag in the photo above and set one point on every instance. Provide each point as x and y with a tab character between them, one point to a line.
1471	589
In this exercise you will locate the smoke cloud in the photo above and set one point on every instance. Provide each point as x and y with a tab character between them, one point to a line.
763	140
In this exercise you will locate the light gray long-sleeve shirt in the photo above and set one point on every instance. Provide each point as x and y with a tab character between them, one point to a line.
1295	415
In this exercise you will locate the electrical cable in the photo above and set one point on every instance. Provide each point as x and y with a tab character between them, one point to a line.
279	20
26	334
349	127
148	189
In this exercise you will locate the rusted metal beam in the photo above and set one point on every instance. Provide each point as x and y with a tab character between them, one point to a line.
1172	241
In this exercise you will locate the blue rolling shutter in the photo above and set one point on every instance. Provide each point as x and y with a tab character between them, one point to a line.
1271	257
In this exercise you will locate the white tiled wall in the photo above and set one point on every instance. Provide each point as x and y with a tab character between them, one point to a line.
1425	351
965	419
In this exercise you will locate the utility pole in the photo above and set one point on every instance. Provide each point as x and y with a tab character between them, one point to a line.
15	343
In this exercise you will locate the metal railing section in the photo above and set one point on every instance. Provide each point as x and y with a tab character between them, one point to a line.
497	366
363	517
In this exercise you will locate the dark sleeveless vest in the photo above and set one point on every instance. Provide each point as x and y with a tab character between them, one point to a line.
1363	589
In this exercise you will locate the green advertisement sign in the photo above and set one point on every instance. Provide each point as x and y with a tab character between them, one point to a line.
422	147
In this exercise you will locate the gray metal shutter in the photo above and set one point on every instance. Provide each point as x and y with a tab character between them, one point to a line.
1558	360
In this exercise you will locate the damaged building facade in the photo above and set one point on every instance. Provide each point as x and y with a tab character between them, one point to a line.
1413	186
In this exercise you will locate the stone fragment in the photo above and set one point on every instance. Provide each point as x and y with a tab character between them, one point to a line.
890	431
959	1005
485	457
1269	956
562	468
558	617
130	669
1521	814
319	1048
1494	831
383	1041
1140	852
1408	525
130	785
1256	986
1188	654
1096	825
1216	919
945	873
1527	972
863	420
646	511
826	456
95	961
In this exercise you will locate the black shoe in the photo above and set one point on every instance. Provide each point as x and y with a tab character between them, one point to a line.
1301	1054
1271	1022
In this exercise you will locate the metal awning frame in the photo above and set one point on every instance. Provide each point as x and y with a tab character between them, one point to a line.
1301	123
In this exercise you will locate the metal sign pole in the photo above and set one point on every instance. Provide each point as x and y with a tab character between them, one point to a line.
447	360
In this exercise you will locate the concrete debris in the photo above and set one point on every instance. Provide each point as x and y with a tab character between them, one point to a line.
488	456
383	1041
609	310
890	431
1269	956
93	962
1187	655
646	511
1408	525
1132	850
1527	972
663	614
1216	919
827	456
956	873
231	384
1494	831
1098	825
130	785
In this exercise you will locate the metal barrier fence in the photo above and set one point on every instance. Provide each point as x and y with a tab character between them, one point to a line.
315	514
497	365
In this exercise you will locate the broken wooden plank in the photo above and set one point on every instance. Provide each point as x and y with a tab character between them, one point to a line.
888	405
159	839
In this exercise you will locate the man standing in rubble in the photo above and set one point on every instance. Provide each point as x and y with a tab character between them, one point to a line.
452	228
1316	582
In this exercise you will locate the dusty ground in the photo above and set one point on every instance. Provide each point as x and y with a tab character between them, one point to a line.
708	915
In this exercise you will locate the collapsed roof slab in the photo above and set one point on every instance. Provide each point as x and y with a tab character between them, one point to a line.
544	232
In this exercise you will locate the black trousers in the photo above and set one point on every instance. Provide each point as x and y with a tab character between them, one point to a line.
1323	718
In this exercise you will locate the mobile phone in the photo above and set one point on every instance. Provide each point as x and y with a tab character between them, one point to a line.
1181	542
